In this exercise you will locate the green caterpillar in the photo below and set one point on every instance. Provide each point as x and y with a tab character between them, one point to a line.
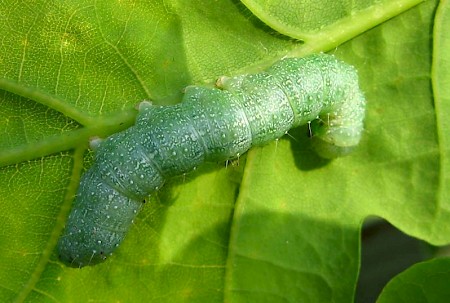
211	124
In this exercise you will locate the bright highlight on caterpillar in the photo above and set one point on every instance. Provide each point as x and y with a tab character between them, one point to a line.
210	124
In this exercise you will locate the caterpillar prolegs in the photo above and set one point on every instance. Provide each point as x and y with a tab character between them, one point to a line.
210	124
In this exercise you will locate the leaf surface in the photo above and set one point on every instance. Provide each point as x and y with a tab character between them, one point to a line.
279	225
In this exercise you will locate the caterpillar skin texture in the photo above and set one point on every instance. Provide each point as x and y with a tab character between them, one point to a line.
211	124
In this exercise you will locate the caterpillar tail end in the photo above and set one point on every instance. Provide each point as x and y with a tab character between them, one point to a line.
328	150
338	132
92	232
67	256
330	143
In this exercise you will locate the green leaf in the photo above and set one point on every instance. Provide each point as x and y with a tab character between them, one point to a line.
312	21
278	225
423	282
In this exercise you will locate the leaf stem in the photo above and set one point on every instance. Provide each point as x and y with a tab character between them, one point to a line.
45	98
68	140
350	27
45	257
